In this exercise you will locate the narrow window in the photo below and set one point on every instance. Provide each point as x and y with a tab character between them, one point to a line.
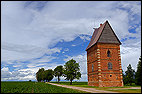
92	67
108	53
109	65
116	77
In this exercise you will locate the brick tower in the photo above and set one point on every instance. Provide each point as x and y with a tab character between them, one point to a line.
103	58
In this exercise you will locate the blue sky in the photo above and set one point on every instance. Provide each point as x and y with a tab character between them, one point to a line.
38	34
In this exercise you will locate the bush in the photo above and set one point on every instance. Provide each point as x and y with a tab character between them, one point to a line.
30	80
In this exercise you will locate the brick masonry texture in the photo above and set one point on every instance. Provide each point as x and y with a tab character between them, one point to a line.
97	57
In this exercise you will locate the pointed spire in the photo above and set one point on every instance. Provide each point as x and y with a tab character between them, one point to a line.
105	38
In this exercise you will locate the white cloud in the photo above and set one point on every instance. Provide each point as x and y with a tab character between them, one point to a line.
130	55
40	30
29	32
73	45
85	38
82	60
24	74
16	65
14	51
5	69
134	7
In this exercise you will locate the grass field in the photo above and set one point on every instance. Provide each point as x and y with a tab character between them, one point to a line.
40	87
34	87
73	83
85	84
128	90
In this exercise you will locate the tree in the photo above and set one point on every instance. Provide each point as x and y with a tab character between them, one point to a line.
58	71
72	70
124	77
48	75
30	80
130	73
138	73
39	75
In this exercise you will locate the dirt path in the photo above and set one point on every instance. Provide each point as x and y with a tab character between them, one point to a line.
91	90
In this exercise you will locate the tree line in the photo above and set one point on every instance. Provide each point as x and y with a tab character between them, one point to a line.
70	71
130	76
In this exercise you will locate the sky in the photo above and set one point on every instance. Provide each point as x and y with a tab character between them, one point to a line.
46	34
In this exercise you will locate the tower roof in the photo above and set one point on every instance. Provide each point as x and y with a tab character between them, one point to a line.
103	34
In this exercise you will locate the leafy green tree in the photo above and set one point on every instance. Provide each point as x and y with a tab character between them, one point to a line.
72	70
138	73
130	74
48	75
30	80
39	75
58	71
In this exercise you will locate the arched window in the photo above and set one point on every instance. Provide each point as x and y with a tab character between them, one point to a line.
109	65
108	53
92	67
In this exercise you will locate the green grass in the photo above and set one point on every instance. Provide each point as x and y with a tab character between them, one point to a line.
133	84
85	84
40	87
73	83
34	87
78	84
128	90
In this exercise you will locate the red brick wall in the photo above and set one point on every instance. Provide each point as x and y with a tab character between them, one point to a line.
100	76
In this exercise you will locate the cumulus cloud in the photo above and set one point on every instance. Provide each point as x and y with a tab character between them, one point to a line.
44	61
16	75
85	38
133	8
24	74
82	60
31	29
39	30
130	55
14	51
